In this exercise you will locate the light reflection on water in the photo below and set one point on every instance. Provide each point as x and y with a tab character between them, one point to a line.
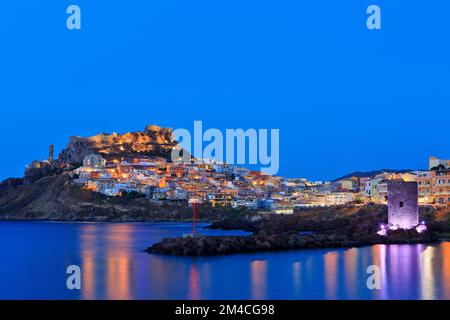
258	271
331	270
34	257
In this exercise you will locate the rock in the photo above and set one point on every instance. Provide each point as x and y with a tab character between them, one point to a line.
282	241
300	243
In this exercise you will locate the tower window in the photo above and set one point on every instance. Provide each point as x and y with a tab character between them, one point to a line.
401	204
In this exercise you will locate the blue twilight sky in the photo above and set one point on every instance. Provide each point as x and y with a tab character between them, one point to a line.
344	98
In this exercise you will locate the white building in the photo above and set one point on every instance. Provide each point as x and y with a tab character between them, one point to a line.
94	161
339	198
434	162
112	192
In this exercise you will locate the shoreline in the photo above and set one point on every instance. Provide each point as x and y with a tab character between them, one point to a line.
105	221
327	228
259	241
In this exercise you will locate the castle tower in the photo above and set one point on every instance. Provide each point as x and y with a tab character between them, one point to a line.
153	127
50	153
403	208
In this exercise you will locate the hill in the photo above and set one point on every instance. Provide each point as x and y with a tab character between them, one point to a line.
373	173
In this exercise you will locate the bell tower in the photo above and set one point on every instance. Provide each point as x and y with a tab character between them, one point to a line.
50	153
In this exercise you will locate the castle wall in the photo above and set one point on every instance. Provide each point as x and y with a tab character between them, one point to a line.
159	141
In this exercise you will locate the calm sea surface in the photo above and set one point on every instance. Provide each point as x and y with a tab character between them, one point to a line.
34	257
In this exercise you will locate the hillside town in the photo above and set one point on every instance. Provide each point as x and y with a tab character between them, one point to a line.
233	186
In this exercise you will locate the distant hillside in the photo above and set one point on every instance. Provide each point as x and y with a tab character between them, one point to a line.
372	173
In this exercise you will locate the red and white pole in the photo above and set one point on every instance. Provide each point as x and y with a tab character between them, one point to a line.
195	219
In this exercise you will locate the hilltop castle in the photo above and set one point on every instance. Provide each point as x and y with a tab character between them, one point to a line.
153	140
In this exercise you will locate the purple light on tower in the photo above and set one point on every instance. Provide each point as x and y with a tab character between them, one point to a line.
421	228
403	206
383	230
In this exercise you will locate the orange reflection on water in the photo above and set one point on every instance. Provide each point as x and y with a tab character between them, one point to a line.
350	258
379	259
88	265
114	245
445	254
118	277
258	270
376	256
331	259
118	261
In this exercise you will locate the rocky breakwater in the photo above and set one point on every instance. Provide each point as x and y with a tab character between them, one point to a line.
348	228
235	244
274	242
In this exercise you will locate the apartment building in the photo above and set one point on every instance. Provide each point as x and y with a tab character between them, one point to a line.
441	187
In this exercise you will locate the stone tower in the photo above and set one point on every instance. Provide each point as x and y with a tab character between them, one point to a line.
403	207
50	153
